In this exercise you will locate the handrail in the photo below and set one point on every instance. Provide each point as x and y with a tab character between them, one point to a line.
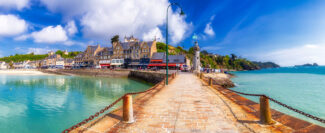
277	102
111	105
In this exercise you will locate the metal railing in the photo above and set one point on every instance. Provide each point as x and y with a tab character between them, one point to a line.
265	113
127	107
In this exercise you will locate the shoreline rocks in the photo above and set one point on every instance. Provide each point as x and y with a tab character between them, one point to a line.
221	79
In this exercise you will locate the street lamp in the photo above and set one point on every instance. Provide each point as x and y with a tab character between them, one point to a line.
181	13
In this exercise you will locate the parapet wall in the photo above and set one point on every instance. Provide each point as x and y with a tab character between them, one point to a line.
148	76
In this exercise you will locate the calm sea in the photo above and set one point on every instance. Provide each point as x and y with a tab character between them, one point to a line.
300	87
50	104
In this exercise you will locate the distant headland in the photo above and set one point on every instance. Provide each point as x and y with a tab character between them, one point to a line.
308	64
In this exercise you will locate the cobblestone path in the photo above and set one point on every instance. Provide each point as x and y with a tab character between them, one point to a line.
184	106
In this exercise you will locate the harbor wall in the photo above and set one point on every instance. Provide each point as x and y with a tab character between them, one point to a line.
148	76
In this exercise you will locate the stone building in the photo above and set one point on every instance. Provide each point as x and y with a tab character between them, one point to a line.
89	57
104	57
130	53
68	63
50	61
196	59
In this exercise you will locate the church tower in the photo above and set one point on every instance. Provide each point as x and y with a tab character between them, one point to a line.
196	59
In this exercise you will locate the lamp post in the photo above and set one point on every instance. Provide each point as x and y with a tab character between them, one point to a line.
181	13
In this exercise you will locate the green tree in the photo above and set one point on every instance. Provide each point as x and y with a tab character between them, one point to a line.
11	65
59	52
115	38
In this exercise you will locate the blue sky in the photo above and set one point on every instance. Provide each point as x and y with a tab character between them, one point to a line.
286	32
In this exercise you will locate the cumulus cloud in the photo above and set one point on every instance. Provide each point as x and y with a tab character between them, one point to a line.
38	50
153	34
14	4
178	28
102	19
11	25
309	53
71	28
49	34
209	30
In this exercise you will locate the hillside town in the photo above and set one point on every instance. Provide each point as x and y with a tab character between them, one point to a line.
129	54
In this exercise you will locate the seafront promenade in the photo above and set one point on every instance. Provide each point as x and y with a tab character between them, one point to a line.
186	105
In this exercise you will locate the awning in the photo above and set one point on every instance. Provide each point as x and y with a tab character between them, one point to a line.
105	65
163	64
155	60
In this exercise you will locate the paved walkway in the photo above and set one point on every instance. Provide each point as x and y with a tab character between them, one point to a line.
187	105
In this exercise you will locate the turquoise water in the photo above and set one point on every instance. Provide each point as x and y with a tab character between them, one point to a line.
50	104
300	87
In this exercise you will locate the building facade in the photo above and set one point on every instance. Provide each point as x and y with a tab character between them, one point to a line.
3	65
89	58
158	61
130	53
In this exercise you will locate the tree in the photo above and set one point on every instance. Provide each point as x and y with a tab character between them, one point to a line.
59	52
115	38
11	65
233	57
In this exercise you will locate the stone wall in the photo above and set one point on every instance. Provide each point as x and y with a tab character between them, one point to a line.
90	72
148	76
152	77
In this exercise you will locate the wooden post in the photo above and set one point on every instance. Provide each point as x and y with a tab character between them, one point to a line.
128	109
210	81
201	75
265	112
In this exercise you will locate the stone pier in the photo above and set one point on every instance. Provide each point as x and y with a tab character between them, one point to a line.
185	105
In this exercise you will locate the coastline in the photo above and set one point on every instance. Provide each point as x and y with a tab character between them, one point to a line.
23	72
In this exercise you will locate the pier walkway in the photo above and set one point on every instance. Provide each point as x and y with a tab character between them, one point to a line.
187	105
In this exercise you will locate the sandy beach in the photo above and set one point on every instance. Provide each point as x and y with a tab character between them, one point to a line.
22	72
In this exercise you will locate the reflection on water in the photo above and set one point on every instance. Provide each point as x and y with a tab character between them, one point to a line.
53	103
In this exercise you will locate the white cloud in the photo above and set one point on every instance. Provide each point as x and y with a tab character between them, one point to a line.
102	19
12	25
152	34
71	28
24	50
178	28
21	38
209	30
70	43
309	53
15	4
38	50
49	34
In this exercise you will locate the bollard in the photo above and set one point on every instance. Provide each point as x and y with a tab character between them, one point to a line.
128	109
265	112
210	81
201	75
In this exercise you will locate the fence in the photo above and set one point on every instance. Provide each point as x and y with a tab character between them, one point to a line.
127	107
265	112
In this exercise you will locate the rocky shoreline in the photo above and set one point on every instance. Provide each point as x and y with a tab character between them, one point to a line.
221	79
